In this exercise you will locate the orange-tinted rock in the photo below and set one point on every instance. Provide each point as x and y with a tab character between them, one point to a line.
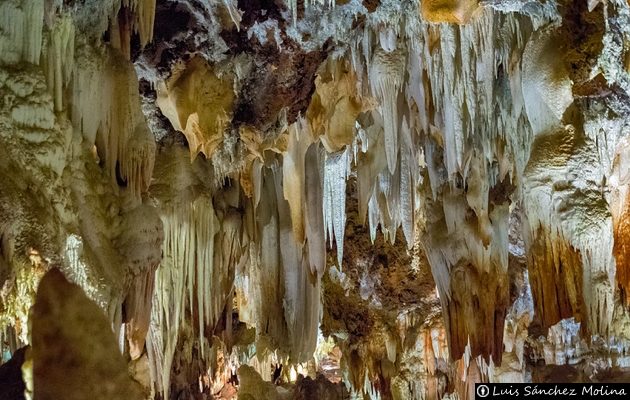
198	101
555	275
475	313
457	11
621	251
137	309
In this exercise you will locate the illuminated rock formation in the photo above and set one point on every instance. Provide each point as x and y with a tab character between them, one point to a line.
375	198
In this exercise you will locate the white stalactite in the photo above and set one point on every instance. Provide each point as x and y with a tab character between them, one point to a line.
186	279
336	168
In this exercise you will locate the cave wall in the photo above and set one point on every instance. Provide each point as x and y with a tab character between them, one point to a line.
437	189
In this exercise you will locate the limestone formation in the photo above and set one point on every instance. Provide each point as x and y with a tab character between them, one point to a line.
73	354
377	199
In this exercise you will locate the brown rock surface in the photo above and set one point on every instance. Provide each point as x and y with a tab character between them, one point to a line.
75	355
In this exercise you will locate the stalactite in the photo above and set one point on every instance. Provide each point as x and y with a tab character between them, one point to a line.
407	207
301	300
59	56
293	175
369	165
21	38
106	110
185	282
266	267
135	16
145	16
386	76
314	217
138	312
140	245
186	101
334	189
556	276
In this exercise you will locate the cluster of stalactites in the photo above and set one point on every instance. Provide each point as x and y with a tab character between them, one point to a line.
40	40
419	99
189	280
58	59
105	108
315	186
457	76
215	258
293	6
21	38
25	38
436	85
439	109
99	91
132	16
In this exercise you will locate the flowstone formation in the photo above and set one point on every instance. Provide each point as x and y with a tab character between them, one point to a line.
268	199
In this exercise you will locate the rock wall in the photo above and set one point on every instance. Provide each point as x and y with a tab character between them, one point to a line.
418	194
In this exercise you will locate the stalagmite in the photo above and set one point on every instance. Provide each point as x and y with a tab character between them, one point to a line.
59	307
